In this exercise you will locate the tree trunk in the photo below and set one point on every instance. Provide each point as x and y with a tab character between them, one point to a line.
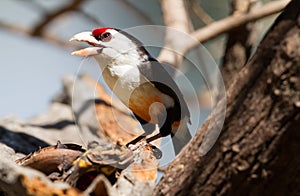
257	150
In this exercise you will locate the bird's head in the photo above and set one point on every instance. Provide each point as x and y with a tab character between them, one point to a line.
111	46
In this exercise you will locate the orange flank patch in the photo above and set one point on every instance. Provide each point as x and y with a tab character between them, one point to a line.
176	124
141	106
145	102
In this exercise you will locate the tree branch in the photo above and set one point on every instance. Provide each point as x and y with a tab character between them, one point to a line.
223	26
239	41
178	19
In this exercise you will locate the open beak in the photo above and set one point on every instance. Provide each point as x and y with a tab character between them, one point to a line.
88	38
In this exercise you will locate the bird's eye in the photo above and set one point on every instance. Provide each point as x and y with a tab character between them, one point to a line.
105	37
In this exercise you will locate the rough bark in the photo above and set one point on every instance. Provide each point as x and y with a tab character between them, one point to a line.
257	149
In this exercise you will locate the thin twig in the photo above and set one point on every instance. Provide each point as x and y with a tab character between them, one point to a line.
39	28
200	12
34	5
25	31
91	18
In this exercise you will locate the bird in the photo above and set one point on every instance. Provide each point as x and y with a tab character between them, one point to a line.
140	81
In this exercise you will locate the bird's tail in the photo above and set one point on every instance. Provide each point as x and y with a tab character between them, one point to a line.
180	135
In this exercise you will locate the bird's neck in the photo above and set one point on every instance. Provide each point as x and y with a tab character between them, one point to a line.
110	57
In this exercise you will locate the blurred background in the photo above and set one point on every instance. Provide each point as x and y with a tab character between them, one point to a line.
35	52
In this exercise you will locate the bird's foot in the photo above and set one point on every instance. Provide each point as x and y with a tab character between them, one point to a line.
156	151
133	147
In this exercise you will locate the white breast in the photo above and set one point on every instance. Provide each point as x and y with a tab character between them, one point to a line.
124	79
